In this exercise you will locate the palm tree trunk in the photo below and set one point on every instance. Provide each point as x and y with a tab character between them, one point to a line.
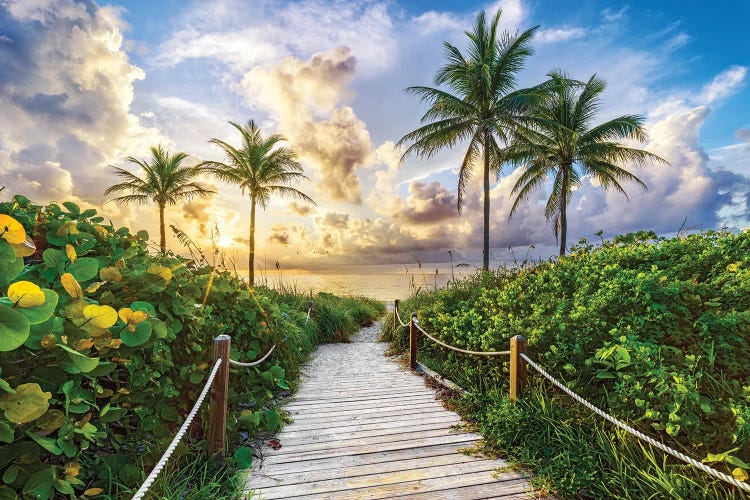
251	256
486	245
162	231
563	208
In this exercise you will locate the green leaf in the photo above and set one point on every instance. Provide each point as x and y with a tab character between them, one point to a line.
84	363
48	444
37	314
243	457
7	494
7	254
14	328
72	207
140	305
141	334
39	485
54	259
11	474
84	269
27	404
6	432
9	271
272	420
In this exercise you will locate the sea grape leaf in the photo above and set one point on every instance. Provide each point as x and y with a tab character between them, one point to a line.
137	337
84	363
243	457
14	328
27	404
84	269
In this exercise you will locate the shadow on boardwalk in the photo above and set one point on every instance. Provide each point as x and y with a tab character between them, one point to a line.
364	427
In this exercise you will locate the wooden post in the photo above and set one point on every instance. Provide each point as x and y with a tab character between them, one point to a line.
396	323
413	342
217	420
517	366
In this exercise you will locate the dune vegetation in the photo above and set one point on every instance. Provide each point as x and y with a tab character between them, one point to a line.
104	347
655	331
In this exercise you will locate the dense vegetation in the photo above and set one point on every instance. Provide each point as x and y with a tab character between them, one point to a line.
656	331
104	348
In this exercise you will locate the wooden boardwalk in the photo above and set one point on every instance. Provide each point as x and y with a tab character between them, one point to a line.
364	427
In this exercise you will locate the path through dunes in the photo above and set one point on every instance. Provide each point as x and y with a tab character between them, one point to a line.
364	427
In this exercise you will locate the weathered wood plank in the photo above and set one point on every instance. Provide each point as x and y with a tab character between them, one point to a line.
374	434
296	477
382	480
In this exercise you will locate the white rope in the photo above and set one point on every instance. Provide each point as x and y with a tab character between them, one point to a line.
638	434
399	318
464	351
178	437
309	309
253	363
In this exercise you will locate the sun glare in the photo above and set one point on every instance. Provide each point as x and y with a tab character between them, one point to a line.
225	241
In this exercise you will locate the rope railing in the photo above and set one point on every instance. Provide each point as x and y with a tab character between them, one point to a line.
252	363
178	437
653	442
458	349
518	361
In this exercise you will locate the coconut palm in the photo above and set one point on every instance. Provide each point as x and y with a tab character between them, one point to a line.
480	106
165	181
559	140
260	167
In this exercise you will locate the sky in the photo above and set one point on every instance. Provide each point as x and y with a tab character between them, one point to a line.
85	84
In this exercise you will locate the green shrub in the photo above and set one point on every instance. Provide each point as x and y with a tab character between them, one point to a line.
656	331
104	349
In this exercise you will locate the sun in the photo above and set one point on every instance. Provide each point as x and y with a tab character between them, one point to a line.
225	241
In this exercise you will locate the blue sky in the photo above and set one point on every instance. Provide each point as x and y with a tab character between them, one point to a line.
93	82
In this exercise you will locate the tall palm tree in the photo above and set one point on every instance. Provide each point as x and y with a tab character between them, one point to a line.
480	107
558	140
260	167
166	181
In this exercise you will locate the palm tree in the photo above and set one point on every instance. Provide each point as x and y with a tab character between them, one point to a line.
166	182
559	141
480	107
262	168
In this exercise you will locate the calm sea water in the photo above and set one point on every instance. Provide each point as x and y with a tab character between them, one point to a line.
380	286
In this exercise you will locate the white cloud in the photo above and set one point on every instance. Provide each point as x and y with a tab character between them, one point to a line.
554	35
612	16
725	84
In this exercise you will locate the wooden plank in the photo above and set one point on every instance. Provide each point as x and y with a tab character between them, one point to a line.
359	450
360	403
362	398
356	484
365	430
335	444
506	490
412	414
296	477
324	463
303	415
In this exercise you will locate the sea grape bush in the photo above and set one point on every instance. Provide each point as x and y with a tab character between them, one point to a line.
657	331
104	348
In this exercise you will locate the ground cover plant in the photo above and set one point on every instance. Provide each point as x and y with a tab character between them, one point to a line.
656	331
105	346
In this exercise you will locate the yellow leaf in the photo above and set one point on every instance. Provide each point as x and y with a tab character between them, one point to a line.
94	287
739	474
11	230
27	404
67	228
100	316
48	341
71	252
115	343
71	469
164	272
25	248
83	344
110	273
71	286
132	318
25	294
91	492
102	231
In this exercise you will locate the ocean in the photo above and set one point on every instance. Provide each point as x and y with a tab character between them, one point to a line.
381	286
